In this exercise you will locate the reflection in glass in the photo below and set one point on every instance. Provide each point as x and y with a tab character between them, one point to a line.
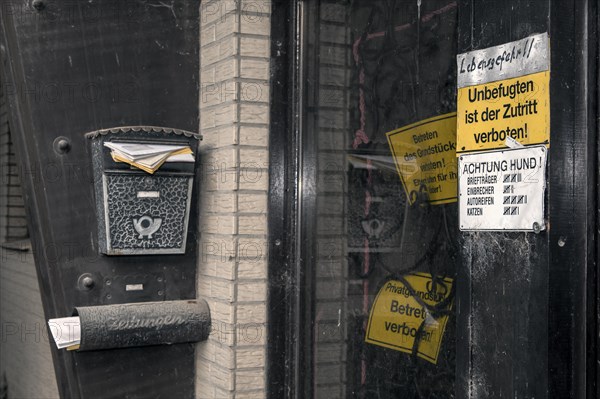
373	67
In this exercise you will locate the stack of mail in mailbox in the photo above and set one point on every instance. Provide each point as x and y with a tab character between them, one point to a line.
149	157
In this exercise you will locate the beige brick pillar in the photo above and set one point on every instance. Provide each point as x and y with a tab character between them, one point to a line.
232	270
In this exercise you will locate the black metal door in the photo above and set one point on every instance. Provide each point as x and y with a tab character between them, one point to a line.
73	67
528	303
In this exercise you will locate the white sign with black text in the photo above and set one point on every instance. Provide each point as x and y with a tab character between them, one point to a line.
502	190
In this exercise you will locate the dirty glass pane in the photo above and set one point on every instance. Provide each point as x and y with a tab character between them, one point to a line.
374	66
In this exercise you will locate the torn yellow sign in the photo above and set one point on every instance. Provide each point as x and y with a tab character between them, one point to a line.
517	108
396	316
425	158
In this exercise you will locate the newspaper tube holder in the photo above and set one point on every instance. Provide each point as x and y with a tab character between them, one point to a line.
143	324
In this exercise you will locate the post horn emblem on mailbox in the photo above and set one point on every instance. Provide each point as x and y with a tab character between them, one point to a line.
147	226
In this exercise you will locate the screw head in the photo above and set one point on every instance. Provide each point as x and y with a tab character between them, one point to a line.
86	282
62	145
39	5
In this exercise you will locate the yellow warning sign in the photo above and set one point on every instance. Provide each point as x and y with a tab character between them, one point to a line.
490	113
425	158
396	316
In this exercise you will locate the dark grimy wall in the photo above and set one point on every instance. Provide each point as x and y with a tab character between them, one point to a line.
522	296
